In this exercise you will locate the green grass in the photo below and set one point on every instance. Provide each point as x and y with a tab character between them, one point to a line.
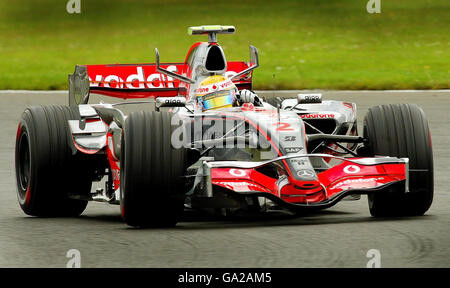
308	44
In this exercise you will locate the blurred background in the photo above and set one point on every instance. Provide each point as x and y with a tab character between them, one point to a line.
308	44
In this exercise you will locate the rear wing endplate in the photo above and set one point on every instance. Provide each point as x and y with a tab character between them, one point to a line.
79	86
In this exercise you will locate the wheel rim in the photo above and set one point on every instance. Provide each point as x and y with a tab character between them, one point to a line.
24	163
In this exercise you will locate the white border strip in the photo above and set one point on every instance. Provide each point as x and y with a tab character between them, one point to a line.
34	91
355	91
263	91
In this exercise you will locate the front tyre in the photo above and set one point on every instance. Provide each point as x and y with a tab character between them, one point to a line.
401	130
151	179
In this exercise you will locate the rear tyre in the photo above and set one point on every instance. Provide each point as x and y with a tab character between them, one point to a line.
151	180
401	130
46	171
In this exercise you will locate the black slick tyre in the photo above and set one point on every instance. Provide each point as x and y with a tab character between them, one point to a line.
47	170
401	130
151	179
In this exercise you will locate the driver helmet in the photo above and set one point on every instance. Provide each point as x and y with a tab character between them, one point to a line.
215	92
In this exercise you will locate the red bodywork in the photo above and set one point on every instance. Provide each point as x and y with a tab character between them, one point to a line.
334	180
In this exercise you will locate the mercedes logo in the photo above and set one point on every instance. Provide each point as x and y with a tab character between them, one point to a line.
305	173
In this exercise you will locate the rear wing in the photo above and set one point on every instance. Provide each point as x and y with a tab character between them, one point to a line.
139	80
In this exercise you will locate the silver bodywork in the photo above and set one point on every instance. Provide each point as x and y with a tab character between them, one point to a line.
92	135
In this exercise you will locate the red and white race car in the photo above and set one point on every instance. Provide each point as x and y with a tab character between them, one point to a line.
296	154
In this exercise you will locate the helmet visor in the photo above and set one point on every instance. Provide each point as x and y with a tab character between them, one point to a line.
217	99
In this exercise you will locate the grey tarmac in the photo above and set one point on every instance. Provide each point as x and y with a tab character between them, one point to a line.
338	237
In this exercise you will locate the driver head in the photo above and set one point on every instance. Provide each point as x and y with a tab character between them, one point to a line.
215	92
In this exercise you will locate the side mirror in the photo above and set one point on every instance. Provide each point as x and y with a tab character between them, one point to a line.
170	73
254	59
254	62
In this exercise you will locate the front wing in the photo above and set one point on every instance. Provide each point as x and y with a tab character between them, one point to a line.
326	188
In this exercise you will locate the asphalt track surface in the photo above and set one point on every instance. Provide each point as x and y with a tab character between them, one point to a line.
337	237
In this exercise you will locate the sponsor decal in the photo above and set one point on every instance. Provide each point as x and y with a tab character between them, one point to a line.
316	116
305	173
224	85
359	180
310	98
202	90
172	101
289	138
299	162
240	186
293	149
138	80
237	172
145	75
351	169
235	184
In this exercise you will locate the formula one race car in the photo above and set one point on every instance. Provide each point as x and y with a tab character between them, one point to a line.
204	146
